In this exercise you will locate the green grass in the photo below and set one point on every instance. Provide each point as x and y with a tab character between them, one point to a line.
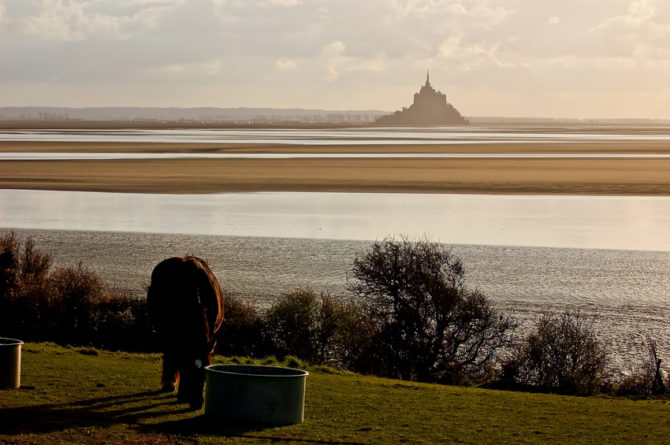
70	395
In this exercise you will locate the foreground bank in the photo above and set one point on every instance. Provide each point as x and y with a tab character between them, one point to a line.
89	396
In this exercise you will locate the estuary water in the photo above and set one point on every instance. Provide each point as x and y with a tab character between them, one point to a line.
350	136
596	222
71	156
608	256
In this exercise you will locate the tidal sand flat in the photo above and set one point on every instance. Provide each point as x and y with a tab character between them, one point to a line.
597	175
622	176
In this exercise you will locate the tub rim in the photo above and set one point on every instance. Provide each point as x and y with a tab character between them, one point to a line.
295	371
5	341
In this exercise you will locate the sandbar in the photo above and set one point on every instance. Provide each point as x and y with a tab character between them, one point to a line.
636	176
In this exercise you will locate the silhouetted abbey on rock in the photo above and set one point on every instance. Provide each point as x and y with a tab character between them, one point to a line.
430	107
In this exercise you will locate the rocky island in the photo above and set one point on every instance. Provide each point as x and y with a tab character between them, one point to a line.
430	107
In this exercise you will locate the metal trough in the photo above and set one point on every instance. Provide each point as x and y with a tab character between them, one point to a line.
267	395
10	363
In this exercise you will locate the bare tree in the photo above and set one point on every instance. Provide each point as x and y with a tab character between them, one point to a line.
654	362
428	326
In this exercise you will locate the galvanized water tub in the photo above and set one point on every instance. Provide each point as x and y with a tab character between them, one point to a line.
268	395
10	363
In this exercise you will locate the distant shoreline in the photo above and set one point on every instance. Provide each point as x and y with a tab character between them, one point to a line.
159	124
168	125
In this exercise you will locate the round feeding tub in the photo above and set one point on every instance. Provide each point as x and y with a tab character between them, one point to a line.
10	363
268	395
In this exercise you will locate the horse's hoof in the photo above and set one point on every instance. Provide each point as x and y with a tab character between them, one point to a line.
195	405
167	389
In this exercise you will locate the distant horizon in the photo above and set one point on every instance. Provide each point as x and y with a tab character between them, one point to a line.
376	112
601	59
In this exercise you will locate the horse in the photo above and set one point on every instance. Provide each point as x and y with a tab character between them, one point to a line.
184	301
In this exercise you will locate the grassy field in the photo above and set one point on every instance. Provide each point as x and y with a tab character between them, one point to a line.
70	395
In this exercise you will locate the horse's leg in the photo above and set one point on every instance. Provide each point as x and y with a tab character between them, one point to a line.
192	383
197	400
170	376
184	381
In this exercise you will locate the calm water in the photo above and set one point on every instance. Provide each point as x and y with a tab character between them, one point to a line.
10	156
348	136
599	222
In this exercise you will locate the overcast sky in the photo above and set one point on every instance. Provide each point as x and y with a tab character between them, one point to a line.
549	58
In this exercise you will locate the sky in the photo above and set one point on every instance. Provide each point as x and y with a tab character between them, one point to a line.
510	58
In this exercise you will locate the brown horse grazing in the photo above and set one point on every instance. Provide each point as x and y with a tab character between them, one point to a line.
184	301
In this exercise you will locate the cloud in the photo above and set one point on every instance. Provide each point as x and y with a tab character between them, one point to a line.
469	56
640	22
641	34
335	47
553	20
334	57
337	61
285	2
211	68
478	13
285	64
639	12
58	20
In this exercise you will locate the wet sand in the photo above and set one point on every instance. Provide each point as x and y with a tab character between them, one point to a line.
541	176
644	147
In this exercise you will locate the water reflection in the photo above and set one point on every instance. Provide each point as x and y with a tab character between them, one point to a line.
340	136
602	222
11	156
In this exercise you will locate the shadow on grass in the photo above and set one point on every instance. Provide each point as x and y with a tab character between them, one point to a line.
149	411
202	425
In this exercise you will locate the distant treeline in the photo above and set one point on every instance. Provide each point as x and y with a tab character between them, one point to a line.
139	124
205	117
409	315
202	115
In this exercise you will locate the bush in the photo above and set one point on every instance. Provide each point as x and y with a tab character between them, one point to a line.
122	322
352	346
75	293
9	264
69	305
23	287
428	326
306	325
562	354
291	324
243	330
647	380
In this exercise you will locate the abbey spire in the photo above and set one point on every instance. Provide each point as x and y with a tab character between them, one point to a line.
427	78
